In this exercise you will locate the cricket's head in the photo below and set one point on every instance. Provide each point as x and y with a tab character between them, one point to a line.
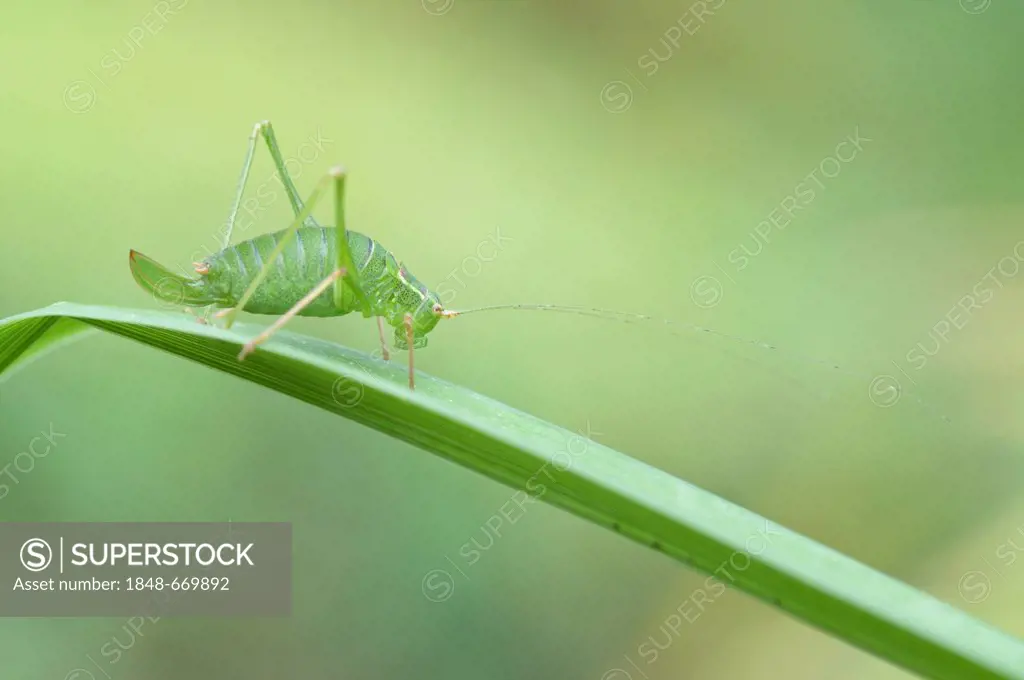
428	311
174	289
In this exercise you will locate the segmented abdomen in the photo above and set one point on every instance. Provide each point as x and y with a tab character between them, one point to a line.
309	257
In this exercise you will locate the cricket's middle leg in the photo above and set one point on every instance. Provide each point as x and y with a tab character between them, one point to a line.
385	354
409	337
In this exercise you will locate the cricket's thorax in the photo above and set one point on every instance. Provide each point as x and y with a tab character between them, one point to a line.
308	259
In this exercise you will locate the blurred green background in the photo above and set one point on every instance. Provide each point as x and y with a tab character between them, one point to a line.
626	152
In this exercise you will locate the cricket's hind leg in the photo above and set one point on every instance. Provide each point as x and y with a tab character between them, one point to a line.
291	313
266	130
335	177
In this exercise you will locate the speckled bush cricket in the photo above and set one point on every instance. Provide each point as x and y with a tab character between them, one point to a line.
310	270
292	272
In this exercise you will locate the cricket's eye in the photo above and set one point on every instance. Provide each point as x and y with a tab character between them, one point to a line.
438	309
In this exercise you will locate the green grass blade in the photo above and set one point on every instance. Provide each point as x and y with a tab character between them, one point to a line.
793	573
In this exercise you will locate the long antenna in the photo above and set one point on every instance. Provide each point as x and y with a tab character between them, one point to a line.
632	317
